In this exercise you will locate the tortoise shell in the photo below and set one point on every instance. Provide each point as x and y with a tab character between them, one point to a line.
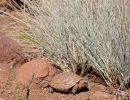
64	81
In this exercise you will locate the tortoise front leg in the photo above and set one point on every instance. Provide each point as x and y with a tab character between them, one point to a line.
75	89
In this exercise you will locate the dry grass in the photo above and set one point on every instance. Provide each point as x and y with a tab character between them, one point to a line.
73	31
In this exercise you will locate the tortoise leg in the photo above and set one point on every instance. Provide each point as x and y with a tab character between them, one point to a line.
75	89
50	90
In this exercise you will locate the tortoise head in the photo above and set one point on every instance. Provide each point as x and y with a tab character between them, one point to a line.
83	83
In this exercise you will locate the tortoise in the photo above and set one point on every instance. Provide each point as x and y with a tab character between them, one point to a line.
67	82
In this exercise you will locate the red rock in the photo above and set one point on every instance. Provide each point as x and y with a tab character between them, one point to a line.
98	95
40	67
10	51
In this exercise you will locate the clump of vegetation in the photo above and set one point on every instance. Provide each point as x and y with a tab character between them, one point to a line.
73	31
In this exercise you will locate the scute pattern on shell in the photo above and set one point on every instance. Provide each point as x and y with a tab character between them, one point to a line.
64	81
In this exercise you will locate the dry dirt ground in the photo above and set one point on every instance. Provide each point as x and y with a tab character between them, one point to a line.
9	90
